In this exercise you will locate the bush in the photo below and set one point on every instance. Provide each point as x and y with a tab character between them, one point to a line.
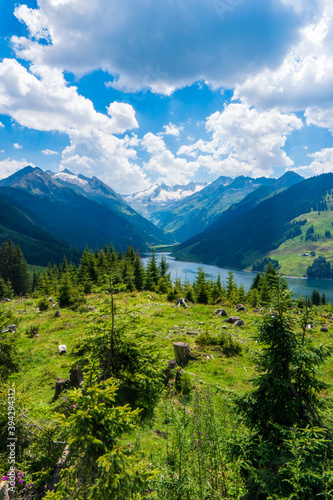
229	346
43	304
32	331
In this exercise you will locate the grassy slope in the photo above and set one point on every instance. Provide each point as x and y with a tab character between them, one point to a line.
289	254
41	364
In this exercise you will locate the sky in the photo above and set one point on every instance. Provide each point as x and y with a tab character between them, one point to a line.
142	92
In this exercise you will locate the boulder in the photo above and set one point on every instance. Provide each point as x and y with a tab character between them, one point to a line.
4	490
91	308
240	308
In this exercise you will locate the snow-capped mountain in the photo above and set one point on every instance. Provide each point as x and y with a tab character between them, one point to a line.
157	196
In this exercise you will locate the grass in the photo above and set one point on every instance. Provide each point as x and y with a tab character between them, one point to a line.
41	363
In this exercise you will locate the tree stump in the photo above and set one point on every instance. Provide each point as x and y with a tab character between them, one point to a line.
182	302
172	363
239	322
182	352
76	377
221	312
232	319
60	385
4	490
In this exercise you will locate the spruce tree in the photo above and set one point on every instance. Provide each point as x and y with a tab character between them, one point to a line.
285	396
13	267
138	272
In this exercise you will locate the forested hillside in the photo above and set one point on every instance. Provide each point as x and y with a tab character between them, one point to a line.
62	212
266	229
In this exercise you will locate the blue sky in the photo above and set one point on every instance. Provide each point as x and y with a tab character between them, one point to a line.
143	92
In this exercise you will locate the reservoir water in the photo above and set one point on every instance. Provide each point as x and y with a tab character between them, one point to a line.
187	271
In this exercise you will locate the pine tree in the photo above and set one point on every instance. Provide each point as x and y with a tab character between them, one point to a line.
14	268
138	272
152	273
315	298
231	286
285	396
200	286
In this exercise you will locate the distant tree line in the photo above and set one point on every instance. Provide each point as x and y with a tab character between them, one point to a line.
320	268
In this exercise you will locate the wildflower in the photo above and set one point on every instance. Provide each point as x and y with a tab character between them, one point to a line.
21	481
4	478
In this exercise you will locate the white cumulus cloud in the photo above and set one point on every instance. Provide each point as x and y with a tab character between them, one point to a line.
244	141
157	45
10	166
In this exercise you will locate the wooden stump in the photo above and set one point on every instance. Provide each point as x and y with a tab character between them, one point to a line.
172	363
182	352
4	490
76	377
60	385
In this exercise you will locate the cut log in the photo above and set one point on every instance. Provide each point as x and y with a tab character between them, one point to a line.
182	352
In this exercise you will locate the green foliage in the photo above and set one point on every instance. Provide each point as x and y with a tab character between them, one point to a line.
261	265
229	346
320	268
43	304
13	268
200	287
194	466
91	429
285	395
9	360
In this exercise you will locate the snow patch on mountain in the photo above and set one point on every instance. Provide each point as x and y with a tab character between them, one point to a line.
67	176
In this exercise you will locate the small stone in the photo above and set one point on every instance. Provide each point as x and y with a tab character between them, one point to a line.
201	323
62	349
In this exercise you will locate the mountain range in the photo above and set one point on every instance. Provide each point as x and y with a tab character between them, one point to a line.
230	222
156	196
185	218
94	216
257	228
